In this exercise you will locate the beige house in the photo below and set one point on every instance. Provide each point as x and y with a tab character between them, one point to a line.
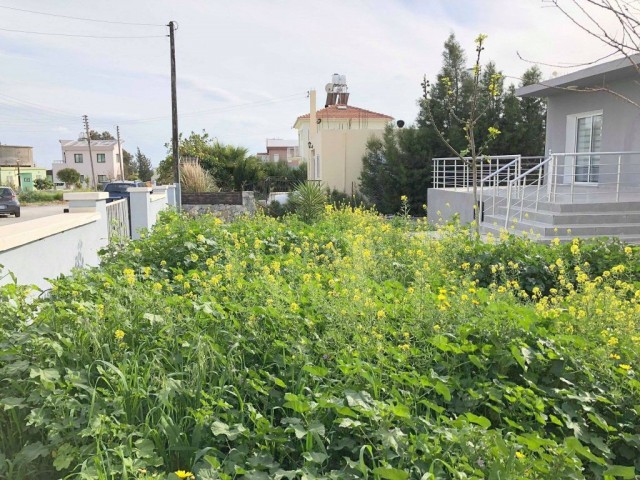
332	142
106	160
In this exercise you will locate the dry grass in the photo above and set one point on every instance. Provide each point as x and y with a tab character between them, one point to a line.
195	179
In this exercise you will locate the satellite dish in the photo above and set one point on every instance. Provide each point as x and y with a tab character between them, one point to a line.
328	87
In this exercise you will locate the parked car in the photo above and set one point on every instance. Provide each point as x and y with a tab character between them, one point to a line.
118	190
9	204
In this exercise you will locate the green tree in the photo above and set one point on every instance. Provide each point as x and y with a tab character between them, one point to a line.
145	171
100	136
393	166
472	151
533	113
130	166
70	176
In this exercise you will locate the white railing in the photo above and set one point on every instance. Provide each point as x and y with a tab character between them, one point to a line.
585	177
455	172
118	219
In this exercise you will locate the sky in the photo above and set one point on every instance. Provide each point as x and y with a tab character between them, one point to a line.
244	67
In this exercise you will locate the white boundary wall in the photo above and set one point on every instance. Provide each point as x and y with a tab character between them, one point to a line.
48	247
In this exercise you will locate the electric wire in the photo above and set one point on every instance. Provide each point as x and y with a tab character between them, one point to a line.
83	19
82	36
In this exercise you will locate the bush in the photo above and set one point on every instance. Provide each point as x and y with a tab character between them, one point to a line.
308	201
345	349
36	196
195	179
70	176
43	183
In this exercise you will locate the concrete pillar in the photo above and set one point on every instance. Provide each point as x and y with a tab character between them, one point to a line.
82	202
171	195
139	206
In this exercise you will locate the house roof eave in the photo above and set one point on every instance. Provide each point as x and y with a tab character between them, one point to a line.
591	76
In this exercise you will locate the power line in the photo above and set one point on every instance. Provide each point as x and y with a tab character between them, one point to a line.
80	36
83	19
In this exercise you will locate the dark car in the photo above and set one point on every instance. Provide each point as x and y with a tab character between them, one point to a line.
118	190
9	204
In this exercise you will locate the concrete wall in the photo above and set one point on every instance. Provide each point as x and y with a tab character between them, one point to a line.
10	155
620	125
444	204
50	246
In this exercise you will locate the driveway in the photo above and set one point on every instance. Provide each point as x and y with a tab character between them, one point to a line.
30	212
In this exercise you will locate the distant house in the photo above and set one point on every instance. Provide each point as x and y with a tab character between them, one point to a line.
279	150
587	184
106	160
332	141
17	168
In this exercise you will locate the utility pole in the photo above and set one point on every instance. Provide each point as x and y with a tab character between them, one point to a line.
174	117
85	120
120	152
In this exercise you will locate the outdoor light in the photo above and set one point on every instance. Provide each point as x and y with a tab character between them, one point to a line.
310	145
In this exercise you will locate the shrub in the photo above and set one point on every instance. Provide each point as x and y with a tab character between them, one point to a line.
308	201
70	176
43	183
36	196
195	179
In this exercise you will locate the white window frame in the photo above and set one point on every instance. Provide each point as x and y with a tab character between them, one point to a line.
571	140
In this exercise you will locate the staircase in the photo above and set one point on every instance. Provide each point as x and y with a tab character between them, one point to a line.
566	220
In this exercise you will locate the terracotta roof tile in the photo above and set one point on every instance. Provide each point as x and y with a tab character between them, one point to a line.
333	111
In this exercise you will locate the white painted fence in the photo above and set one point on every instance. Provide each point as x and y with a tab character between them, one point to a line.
47	247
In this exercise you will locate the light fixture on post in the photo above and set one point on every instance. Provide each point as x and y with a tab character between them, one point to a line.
310	145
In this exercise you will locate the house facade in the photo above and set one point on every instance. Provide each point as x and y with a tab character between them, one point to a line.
333	140
104	156
279	150
17	168
588	182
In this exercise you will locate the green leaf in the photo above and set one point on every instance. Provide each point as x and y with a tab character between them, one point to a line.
478	420
443	390
574	444
145	448
316	457
620	471
64	456
12	402
316	371
401	411
390	473
32	451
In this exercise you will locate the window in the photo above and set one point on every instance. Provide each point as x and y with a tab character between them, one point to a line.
102	179
588	139
100	158
117	158
276	157
77	157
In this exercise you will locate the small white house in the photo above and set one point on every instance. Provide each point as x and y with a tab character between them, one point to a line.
105	157
587	183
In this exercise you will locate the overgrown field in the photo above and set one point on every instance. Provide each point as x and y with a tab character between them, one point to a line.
351	348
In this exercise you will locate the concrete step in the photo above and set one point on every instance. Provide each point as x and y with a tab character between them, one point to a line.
545	229
567	218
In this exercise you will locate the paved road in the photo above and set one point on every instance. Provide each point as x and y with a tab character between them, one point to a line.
29	212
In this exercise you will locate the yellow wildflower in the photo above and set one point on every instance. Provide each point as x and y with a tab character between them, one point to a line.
184	474
520	455
119	334
625	366
381	314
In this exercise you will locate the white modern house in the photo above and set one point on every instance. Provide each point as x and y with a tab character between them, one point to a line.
105	157
587	184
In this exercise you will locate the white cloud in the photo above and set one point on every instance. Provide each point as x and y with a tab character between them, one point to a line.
265	54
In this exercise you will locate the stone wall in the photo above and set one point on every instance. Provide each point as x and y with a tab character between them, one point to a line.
226	211
213	198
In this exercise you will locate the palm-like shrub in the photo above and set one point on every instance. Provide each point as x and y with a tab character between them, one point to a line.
308	200
195	179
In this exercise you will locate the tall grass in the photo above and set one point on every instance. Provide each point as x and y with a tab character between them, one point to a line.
195	179
40	196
